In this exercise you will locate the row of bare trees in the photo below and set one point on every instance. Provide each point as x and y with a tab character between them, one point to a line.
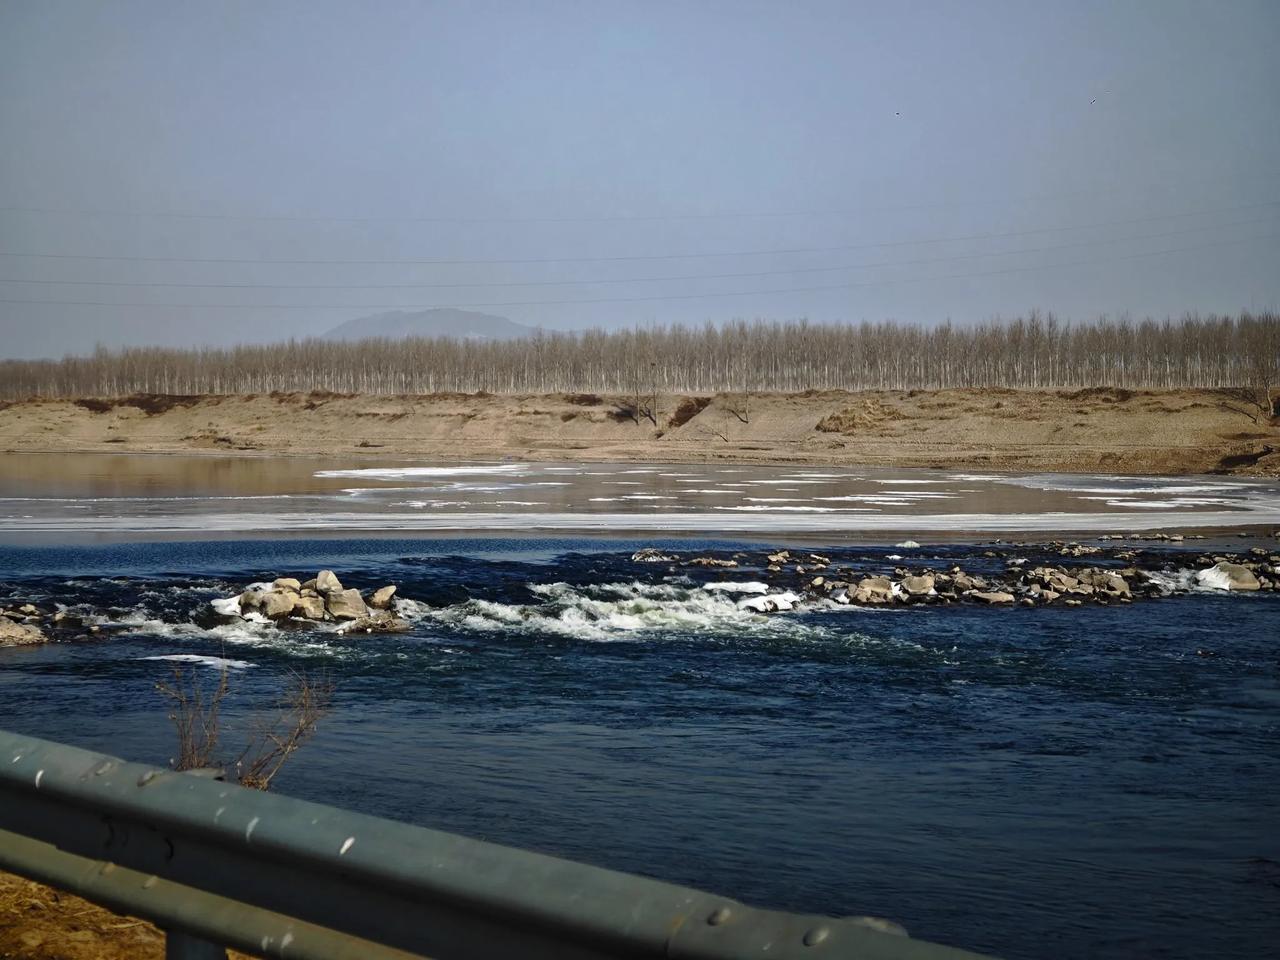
1031	352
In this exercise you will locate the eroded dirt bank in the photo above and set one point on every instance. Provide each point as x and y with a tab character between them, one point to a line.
1097	430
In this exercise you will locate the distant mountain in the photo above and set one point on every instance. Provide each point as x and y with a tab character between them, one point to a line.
445	321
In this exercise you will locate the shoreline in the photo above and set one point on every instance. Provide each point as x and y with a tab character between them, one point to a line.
1102	431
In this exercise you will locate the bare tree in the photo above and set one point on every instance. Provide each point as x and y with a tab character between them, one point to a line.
735	360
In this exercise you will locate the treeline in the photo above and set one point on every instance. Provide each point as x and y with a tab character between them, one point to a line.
1031	352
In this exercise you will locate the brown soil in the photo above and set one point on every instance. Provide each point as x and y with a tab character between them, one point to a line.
41	923
1096	430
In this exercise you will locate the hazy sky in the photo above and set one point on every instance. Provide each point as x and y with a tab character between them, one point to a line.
1049	152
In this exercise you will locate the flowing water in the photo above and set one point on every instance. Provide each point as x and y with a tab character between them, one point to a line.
1087	782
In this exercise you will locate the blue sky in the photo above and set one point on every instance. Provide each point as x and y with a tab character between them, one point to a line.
628	163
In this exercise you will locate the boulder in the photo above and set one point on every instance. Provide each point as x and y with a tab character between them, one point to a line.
652	555
1107	583
327	583
918	586
1225	575
382	598
346	605
287	583
310	607
1052	578
992	596
1078	550
874	590
277	603
711	562
19	634
385	624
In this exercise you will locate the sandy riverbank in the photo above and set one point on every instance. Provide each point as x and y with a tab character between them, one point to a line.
1098	430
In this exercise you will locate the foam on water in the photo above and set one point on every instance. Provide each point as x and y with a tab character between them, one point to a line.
614	611
218	662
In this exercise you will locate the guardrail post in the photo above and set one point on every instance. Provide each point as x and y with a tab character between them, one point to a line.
183	946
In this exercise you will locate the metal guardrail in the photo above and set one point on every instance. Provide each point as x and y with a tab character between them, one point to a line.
215	864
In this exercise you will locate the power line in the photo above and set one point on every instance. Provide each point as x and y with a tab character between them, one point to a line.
616	218
645	299
618	280
651	257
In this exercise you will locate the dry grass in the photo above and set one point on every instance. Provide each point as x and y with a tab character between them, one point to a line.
41	923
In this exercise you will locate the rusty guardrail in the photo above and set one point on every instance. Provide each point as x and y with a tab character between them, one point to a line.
215	864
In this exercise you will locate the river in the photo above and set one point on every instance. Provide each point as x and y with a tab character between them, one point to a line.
1100	781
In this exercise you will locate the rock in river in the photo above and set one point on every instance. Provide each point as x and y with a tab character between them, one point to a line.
382	598
19	634
327	582
1228	576
346	605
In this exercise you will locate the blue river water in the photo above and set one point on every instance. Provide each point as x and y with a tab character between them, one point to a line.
1088	782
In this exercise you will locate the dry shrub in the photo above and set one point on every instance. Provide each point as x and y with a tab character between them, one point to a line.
155	403
196	715
195	710
276	737
94	405
850	420
1105	394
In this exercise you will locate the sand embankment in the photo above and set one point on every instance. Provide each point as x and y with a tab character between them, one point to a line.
1098	430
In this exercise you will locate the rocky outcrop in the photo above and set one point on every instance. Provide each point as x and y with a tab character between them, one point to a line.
320	599
1030	576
